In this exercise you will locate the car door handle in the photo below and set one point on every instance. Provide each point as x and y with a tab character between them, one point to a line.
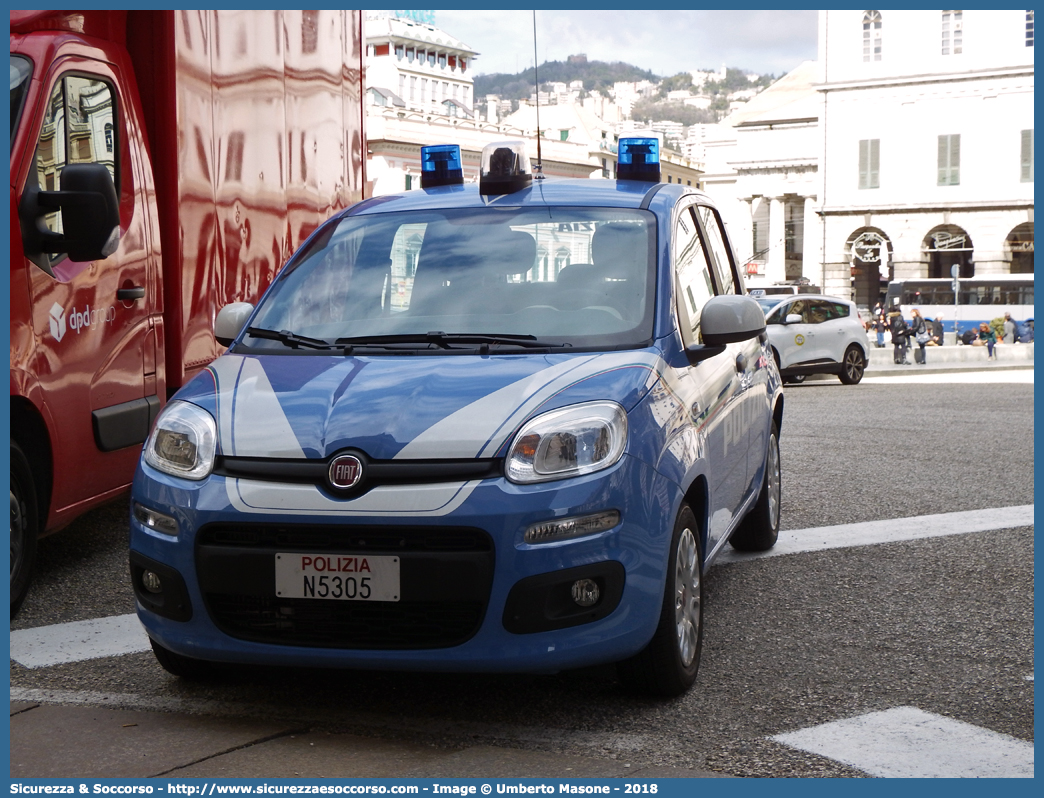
130	294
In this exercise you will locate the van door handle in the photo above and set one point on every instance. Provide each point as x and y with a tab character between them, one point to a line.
130	294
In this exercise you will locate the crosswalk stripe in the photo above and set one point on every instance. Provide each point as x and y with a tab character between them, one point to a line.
60	643
907	742
866	533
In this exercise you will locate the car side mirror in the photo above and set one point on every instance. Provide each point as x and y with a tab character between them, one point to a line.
726	320
230	321
793	318
90	215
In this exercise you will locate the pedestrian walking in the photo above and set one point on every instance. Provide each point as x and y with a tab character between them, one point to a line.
919	331
879	324
900	332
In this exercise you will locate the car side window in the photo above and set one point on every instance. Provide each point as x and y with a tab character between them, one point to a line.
839	311
696	282
819	311
716	243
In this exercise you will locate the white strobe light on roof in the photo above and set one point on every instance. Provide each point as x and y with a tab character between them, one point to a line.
505	168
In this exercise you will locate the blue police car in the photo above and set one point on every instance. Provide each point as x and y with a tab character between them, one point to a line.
493	427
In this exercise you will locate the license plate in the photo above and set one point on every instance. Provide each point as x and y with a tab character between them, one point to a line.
342	577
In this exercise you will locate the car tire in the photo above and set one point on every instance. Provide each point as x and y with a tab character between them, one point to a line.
187	668
852	366
759	531
25	527
796	378
668	665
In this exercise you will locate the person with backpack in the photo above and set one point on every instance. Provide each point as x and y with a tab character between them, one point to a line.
919	330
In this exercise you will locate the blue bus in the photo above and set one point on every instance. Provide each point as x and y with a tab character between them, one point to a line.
980	299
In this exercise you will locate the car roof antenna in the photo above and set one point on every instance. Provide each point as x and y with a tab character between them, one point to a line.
538	169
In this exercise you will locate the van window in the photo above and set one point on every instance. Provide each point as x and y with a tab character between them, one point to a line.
78	127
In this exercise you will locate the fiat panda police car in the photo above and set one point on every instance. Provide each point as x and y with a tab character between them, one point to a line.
495	427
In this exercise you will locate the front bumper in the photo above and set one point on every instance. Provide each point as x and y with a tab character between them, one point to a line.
475	596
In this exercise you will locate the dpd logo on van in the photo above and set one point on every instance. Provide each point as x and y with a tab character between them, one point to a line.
57	321
78	320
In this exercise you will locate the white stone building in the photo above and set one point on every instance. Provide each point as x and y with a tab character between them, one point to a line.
927	156
907	148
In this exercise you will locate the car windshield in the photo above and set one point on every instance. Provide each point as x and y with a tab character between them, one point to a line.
560	277
768	302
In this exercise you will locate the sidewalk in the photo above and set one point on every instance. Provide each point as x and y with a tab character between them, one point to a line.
62	741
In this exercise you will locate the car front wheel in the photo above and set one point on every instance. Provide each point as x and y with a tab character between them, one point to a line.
669	664
853	365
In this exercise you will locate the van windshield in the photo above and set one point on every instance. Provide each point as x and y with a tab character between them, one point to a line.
21	71
560	277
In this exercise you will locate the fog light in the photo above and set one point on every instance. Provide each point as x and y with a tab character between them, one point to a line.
565	528
586	592
158	522
151	582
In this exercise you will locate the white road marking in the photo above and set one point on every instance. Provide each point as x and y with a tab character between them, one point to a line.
46	646
60	643
1023	376
794	541
907	742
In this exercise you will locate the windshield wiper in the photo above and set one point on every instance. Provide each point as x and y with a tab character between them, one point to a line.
445	340
293	340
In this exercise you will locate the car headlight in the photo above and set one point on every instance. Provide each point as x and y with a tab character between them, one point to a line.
183	442
568	442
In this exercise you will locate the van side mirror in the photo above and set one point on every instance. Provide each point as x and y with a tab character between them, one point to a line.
90	215
726	320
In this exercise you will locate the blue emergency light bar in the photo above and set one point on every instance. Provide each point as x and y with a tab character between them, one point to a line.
638	159
440	166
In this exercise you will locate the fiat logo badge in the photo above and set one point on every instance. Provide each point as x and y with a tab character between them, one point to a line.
345	471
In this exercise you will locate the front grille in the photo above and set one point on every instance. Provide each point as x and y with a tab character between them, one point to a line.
346	624
346	538
446	574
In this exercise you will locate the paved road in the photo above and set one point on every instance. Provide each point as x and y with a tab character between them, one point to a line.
940	625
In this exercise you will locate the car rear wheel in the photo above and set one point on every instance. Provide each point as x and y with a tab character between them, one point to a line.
185	667
853	366
24	527
760	529
669	664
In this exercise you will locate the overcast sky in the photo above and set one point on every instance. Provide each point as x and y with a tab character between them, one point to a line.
666	42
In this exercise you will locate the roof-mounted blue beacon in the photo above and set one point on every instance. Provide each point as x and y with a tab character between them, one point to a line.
505	168
440	166
638	158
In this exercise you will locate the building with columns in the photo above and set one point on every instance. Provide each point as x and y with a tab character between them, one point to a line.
762	167
927	145
905	150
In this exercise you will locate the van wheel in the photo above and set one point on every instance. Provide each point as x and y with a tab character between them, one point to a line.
760	529
193	670
25	527
668	665
853	366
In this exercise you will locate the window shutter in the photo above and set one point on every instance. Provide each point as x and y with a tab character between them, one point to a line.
875	162
955	160
944	172
1027	156
864	165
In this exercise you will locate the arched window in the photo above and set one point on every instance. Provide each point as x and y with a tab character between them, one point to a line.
871	35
